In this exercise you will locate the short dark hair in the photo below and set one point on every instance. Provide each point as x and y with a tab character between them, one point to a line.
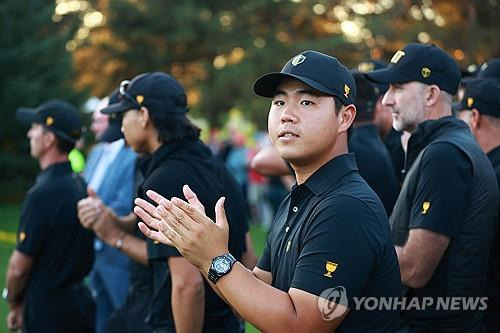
174	127
64	146
338	105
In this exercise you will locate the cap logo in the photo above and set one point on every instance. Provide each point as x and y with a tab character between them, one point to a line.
397	56
22	236
470	101
426	72
298	60
139	98
346	90
366	67
49	121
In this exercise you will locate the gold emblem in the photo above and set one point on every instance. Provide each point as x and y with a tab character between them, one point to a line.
330	268
425	207
288	245
298	60
346	90
139	99
49	121
470	101
397	56
366	67
426	72
22	236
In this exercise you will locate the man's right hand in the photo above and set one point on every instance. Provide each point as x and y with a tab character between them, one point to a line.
15	318
89	209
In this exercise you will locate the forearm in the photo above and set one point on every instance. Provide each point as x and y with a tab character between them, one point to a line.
188	308
127	222
244	291
135	248
15	283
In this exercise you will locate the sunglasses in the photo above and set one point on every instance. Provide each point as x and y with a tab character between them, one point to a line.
125	95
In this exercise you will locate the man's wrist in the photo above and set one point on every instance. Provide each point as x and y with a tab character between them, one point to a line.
120	241
13	303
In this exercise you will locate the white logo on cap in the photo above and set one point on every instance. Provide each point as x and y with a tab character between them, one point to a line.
298	60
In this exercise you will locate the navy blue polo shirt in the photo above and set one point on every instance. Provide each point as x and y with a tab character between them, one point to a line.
50	233
169	168
375	164
335	218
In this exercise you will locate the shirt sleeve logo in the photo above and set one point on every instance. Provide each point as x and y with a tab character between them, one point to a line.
425	207
330	268
22	236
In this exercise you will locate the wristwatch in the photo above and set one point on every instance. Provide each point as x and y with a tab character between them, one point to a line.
5	294
221	265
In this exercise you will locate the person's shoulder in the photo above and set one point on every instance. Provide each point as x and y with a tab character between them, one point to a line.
442	153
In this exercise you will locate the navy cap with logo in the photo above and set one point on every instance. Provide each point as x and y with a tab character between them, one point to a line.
319	71
157	91
420	62
482	95
373	65
367	94
490	69
57	116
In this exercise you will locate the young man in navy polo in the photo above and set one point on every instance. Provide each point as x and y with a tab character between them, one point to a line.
330	240
53	253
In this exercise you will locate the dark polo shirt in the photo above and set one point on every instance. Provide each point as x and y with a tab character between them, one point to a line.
335	219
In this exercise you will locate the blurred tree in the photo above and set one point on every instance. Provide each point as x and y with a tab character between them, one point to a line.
35	66
218	48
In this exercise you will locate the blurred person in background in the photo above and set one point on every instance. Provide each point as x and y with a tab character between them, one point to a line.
110	175
168	293
480	109
53	254
373	160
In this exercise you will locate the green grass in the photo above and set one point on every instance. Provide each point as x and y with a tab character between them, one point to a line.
9	218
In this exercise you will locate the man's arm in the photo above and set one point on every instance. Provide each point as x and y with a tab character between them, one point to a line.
437	211
18	272
248	258
419	257
269	163
188	295
94	215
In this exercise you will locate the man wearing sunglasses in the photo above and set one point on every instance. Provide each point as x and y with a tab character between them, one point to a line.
154	124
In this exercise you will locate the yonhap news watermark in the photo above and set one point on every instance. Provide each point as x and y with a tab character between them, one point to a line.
333	303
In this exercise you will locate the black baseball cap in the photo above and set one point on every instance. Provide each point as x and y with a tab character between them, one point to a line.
420	62
367	94
482	95
113	132
57	116
490	69
157	91
319	71
373	65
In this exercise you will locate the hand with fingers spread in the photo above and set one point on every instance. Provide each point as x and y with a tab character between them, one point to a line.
184	225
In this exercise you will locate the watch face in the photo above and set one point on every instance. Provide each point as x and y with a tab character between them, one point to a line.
221	265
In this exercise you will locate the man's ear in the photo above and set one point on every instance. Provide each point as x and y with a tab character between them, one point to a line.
145	117
475	120
49	139
346	117
432	95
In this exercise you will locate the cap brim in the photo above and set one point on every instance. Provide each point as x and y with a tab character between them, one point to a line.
26	115
266	85
387	75
112	133
120	107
